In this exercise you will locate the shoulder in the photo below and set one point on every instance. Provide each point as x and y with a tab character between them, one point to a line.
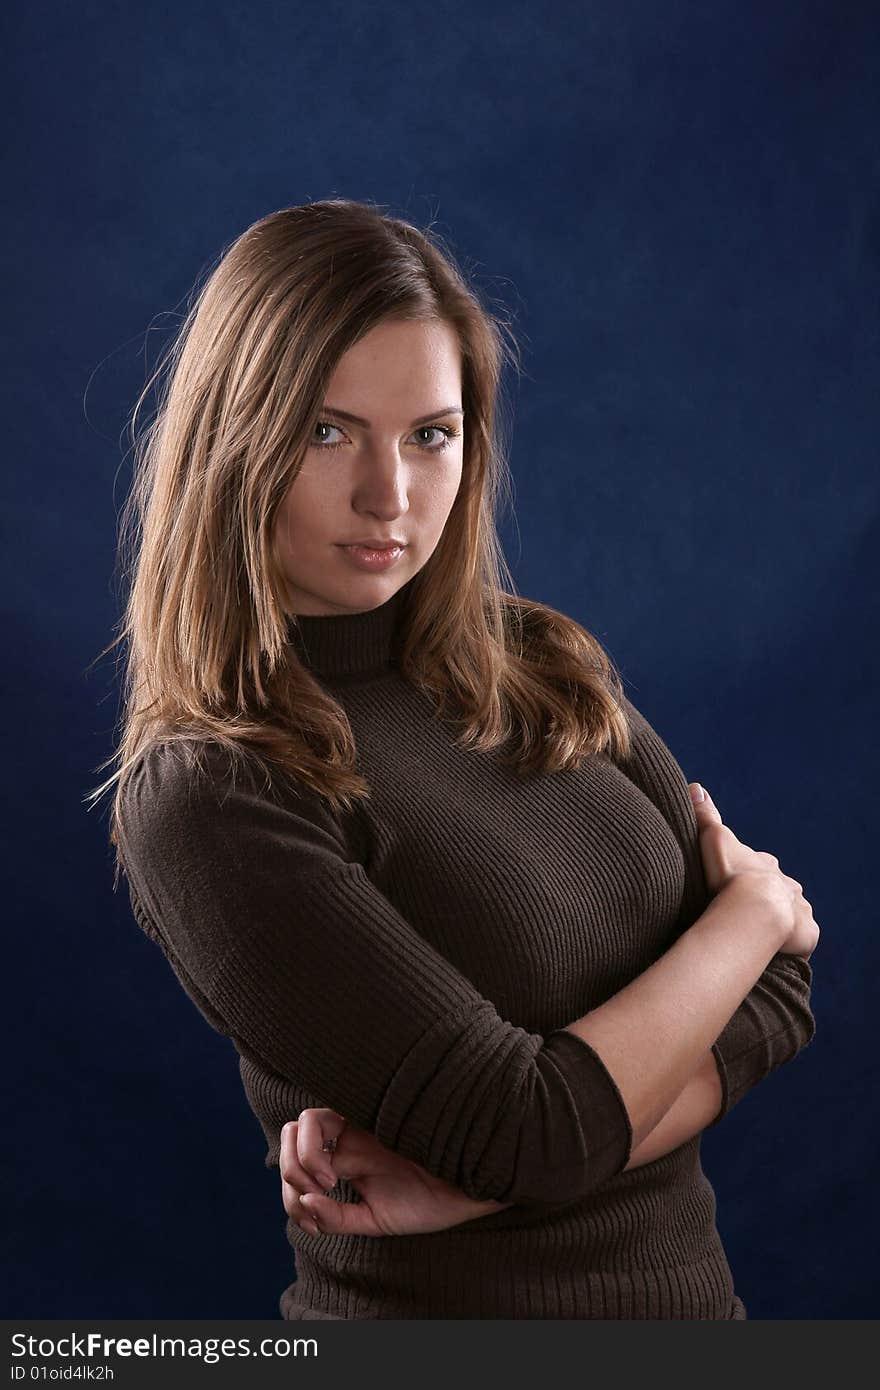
166	794
201	790
205	771
176	772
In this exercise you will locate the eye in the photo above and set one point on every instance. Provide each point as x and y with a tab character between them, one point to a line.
446	432
323	443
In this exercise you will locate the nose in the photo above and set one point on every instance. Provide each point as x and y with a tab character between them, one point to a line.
382	482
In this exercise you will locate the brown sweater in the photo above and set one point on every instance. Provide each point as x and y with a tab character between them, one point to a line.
413	964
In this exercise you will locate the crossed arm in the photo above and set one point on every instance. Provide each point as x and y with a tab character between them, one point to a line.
771	1026
693	1111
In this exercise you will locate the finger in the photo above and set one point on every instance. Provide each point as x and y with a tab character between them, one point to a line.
767	858
299	1215
705	810
292	1171
341	1218
317	1125
291	1199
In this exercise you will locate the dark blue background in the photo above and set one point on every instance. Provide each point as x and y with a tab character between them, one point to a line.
679	202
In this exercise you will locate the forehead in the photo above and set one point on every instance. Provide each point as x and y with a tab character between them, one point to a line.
407	367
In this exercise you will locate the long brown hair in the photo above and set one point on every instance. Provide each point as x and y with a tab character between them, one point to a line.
239	394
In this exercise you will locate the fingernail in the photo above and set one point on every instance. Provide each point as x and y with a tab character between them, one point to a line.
327	1180
697	792
312	1227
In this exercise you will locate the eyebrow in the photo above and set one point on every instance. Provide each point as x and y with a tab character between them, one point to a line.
422	420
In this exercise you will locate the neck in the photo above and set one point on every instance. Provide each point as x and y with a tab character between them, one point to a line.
350	644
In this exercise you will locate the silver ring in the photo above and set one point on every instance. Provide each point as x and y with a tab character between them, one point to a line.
329	1146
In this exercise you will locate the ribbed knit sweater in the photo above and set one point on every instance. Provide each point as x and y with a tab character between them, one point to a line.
413	963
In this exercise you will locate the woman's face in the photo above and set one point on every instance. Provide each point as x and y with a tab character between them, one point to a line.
393	474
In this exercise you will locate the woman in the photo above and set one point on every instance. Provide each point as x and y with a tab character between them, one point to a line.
401	835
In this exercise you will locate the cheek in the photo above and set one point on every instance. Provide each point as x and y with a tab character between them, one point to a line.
301	513
444	493
441	488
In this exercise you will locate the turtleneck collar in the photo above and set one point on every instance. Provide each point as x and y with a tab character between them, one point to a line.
350	644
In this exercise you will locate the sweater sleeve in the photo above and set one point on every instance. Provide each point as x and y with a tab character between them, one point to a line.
286	946
774	1022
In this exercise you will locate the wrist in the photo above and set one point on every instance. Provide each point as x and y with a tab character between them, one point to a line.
759	907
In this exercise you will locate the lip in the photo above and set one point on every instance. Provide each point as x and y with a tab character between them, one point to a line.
371	544
373	558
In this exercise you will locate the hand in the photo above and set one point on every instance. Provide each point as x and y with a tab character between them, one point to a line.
398	1196
728	862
